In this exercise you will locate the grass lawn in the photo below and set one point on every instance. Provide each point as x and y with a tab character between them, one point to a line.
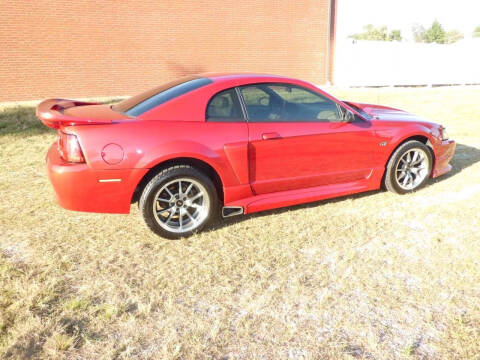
374	276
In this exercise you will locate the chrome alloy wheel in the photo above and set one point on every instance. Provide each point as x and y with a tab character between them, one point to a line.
181	205
412	169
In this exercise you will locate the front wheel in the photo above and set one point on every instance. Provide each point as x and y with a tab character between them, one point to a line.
409	167
179	201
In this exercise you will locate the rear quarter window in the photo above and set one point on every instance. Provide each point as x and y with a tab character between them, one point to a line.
224	107
162	96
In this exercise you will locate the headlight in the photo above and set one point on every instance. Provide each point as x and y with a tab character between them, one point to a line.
443	133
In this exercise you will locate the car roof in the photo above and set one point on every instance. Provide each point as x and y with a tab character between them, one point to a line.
247	77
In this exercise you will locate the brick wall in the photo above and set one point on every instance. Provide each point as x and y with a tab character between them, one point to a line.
86	48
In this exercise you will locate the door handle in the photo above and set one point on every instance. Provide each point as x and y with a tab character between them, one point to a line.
271	136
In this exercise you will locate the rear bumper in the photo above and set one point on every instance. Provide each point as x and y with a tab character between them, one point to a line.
78	187
443	154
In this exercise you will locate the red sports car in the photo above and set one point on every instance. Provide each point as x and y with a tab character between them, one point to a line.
232	144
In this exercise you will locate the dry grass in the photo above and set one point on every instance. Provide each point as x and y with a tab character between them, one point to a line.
369	276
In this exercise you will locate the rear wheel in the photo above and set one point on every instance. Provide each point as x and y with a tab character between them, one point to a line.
409	167
179	201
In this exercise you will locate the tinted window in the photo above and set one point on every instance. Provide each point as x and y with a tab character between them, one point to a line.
224	106
288	103
257	103
142	103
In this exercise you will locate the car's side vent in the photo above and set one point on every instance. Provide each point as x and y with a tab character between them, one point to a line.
228	211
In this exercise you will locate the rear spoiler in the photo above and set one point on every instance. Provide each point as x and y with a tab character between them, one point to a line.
50	112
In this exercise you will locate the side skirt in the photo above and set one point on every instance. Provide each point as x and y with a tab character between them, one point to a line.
299	196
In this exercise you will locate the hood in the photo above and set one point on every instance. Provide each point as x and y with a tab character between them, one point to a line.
380	112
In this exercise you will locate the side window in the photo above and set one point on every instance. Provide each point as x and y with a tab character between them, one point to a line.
258	103
289	103
224	106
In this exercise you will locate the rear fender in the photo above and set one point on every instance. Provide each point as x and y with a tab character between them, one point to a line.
175	149
147	144
189	149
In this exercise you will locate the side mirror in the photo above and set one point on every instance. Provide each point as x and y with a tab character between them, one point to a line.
348	116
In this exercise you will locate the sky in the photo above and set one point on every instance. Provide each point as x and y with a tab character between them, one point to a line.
462	15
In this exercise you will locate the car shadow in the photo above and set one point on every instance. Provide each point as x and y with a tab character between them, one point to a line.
236	219
465	156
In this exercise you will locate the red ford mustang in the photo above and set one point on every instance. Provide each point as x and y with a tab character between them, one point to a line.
232	144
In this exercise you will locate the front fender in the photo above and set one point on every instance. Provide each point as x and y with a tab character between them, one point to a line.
393	135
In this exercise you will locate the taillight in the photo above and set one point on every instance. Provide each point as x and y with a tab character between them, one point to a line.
69	148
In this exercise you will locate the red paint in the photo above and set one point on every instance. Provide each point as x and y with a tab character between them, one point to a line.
310	154
56	113
77	187
261	165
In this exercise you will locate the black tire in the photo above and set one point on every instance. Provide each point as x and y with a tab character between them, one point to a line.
159	184
391	181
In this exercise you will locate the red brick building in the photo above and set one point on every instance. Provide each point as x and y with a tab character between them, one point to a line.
86	48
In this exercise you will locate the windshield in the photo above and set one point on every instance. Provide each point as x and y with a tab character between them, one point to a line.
139	104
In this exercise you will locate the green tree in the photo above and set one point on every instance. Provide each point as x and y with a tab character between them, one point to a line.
476	32
395	35
381	34
435	34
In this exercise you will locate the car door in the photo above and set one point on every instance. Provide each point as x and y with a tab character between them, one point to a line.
297	139
226	123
